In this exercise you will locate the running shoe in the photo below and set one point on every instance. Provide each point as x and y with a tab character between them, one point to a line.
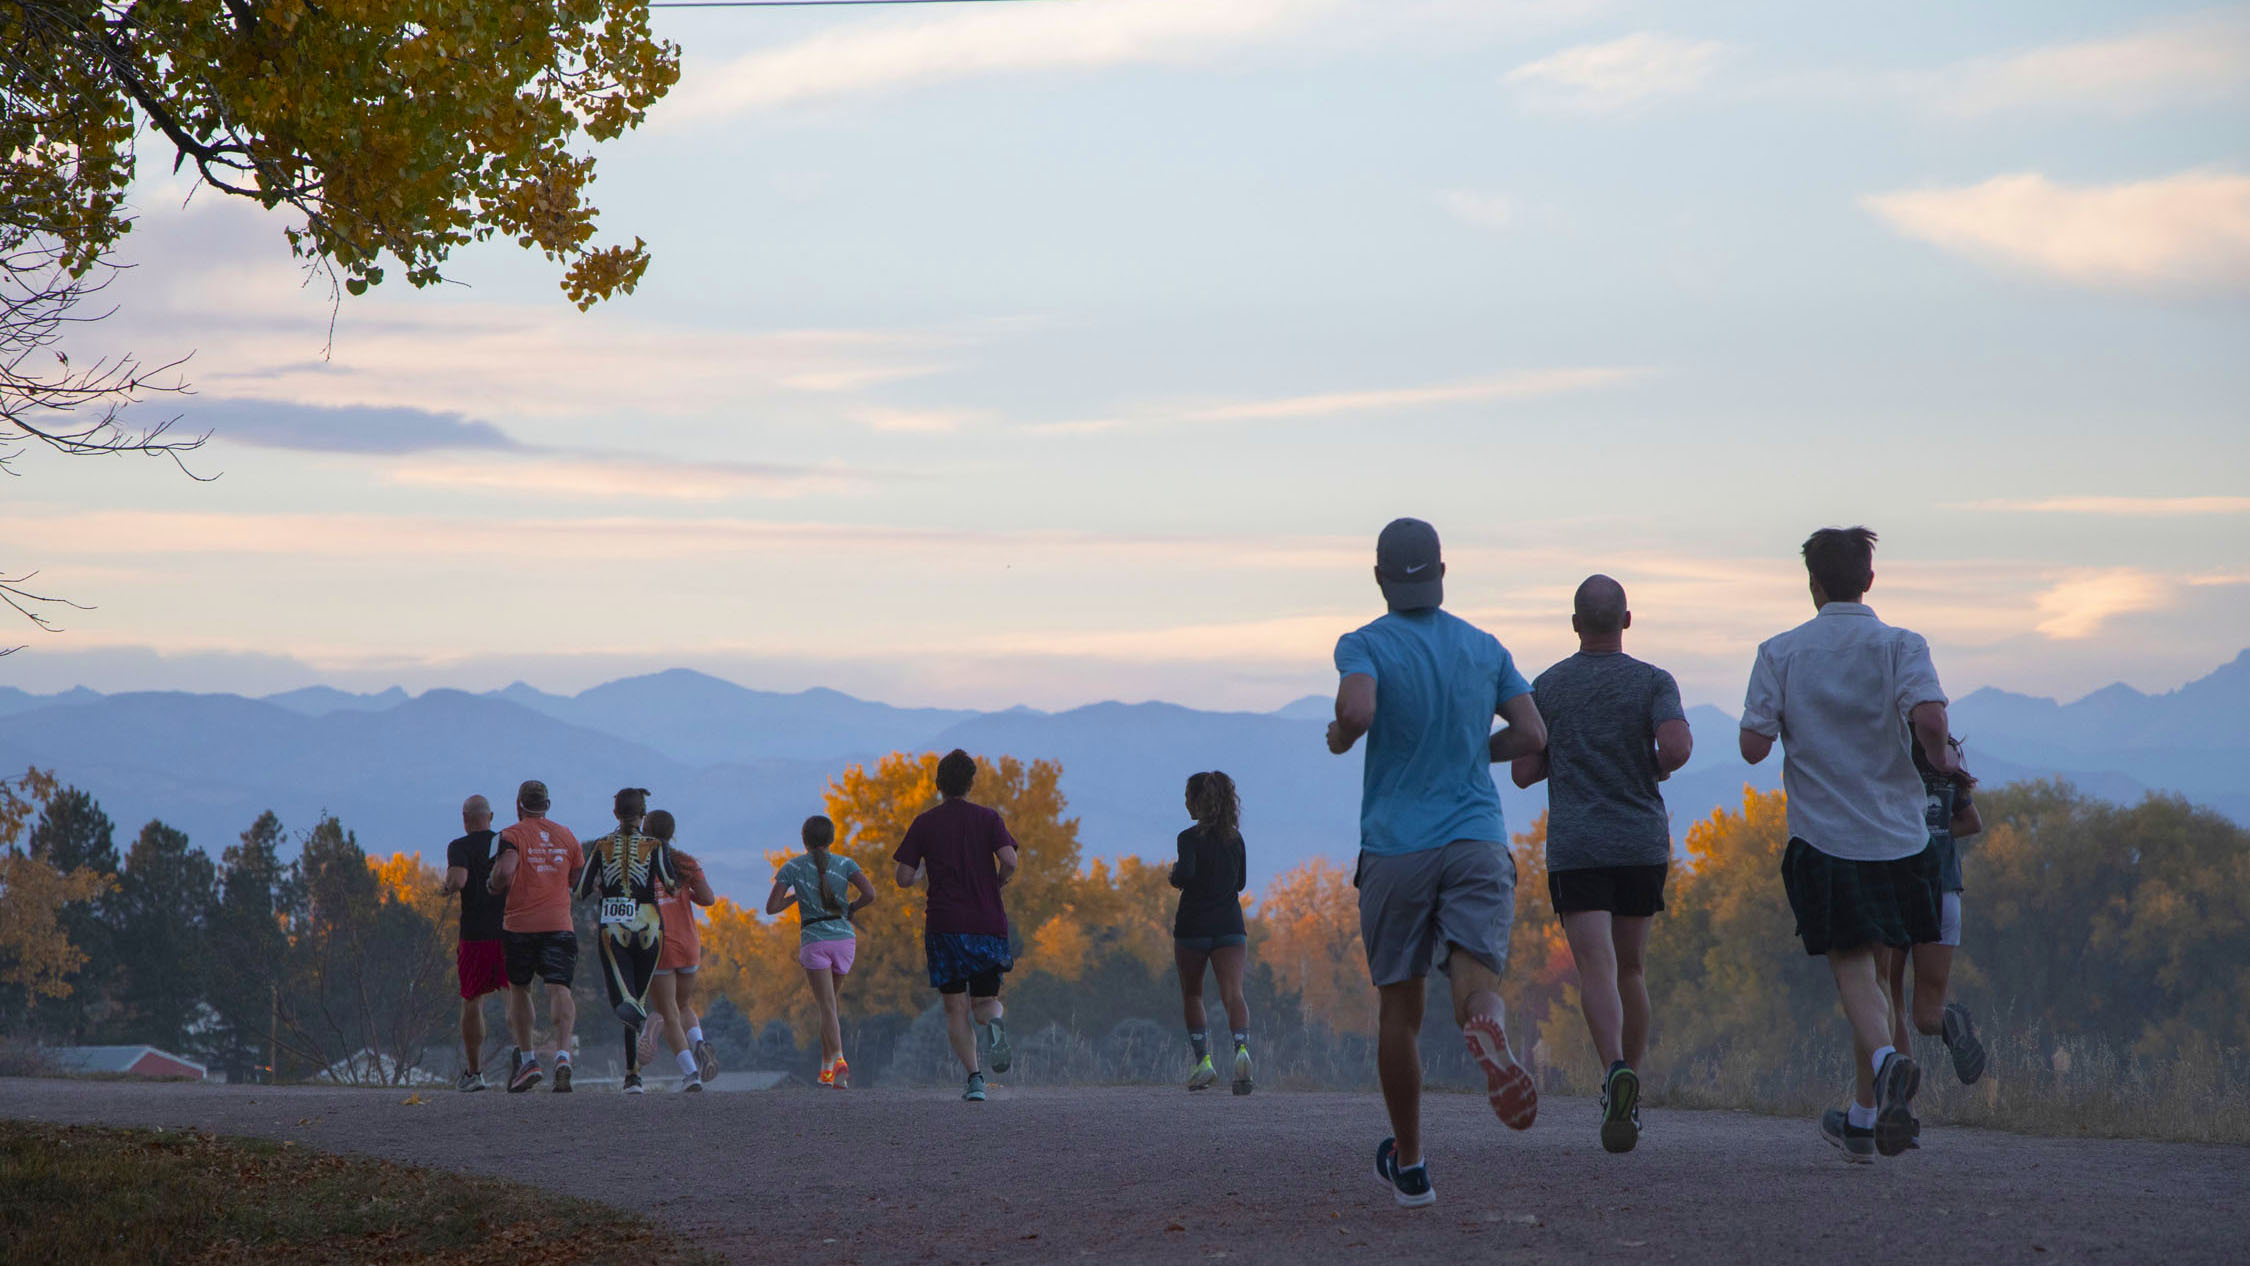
562	1077
1961	1038
691	1085
470	1082
1621	1102
706	1060
1410	1187
1895	1084
1857	1144
1003	1054
1515	1100
827	1074
1203	1076
1242	1083
843	1074
973	1092
523	1073
647	1045
633	1084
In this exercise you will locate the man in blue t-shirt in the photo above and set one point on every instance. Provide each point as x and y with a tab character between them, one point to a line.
1436	881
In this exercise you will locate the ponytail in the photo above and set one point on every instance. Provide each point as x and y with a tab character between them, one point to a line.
818	834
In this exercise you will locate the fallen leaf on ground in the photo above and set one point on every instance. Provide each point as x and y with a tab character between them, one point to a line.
411	1100
1528	1219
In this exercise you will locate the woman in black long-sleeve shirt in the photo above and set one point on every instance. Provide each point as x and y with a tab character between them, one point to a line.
1209	928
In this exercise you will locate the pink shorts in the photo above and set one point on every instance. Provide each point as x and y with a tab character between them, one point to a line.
835	956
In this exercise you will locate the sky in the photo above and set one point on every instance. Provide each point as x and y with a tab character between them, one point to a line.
1054	352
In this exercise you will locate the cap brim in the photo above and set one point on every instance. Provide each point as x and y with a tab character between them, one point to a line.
1413	595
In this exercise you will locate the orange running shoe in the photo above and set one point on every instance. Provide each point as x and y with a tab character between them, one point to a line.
842	1075
1515	1099
827	1074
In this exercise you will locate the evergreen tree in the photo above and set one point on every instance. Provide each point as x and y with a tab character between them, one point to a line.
249	950
164	906
73	832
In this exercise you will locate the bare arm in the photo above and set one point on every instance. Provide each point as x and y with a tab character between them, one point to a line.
865	887
456	878
1674	744
907	876
1755	746
780	898
1355	712
503	871
1935	734
1528	770
1967	822
1524	735
1007	856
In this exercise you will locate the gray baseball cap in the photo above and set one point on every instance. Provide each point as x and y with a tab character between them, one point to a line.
1408	566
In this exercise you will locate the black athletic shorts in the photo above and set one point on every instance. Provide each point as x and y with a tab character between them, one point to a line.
1629	892
551	956
984	984
1846	905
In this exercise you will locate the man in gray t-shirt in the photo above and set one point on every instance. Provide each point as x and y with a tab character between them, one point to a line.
1614	730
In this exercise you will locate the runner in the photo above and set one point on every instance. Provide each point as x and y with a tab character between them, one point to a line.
623	869
1615	729
478	960
821	885
1208	927
672	992
1952	817
967	856
1849	696
538	865
1436	881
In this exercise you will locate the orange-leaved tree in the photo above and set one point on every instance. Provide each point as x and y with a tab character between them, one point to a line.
754	962
34	954
1308	929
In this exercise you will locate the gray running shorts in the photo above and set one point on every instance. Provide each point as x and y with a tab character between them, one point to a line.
1413	906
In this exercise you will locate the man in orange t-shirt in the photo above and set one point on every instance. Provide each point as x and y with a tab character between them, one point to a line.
538	866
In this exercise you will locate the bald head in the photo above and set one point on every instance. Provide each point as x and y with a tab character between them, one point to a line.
1598	609
476	813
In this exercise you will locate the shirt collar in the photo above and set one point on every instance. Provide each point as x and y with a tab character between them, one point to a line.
1846	608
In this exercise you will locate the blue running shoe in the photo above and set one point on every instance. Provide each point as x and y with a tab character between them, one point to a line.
1410	1187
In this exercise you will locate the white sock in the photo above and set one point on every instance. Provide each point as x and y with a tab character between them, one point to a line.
687	1063
1860	1118
561	1058
695	1034
1882	1053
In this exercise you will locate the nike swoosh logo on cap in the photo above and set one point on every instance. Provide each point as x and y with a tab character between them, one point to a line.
1415	568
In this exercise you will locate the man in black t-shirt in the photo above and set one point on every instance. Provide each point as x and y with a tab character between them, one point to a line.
479	961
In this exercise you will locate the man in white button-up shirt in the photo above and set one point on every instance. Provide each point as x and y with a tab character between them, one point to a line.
1848	695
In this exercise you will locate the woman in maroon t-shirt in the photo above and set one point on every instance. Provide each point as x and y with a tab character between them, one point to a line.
966	853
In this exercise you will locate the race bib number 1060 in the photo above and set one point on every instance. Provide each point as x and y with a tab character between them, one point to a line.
619	910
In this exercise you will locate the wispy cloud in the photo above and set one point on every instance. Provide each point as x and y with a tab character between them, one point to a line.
1521	384
890	54
2148	507
2078	606
2191	59
1617	75
612	476
914	421
2190	230
1493	211
346	428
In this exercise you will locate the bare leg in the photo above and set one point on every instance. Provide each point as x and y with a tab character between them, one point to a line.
1594	951
1476	988
1398	1063
562	1014
1191	963
1630	936
1859	987
1892	965
989	1009
683	985
664	996
823	984
472	1033
1228	963
1933	975
519	1017
959	1031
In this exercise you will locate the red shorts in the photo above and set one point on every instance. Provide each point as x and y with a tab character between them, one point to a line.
482	966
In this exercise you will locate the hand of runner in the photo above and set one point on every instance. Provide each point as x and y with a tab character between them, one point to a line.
1338	744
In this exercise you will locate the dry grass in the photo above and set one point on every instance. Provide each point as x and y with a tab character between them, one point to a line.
98	1196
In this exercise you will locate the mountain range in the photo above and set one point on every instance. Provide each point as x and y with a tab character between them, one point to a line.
740	767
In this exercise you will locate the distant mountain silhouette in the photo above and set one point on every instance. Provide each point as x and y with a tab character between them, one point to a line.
742	767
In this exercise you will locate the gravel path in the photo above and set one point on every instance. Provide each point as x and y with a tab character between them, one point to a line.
1148	1175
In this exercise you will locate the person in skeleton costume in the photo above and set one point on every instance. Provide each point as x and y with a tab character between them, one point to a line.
622	869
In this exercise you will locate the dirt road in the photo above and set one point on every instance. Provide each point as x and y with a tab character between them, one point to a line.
1147	1175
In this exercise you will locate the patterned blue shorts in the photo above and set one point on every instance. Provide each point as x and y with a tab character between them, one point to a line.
956	956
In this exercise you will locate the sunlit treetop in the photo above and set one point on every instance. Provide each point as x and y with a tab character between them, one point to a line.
398	128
